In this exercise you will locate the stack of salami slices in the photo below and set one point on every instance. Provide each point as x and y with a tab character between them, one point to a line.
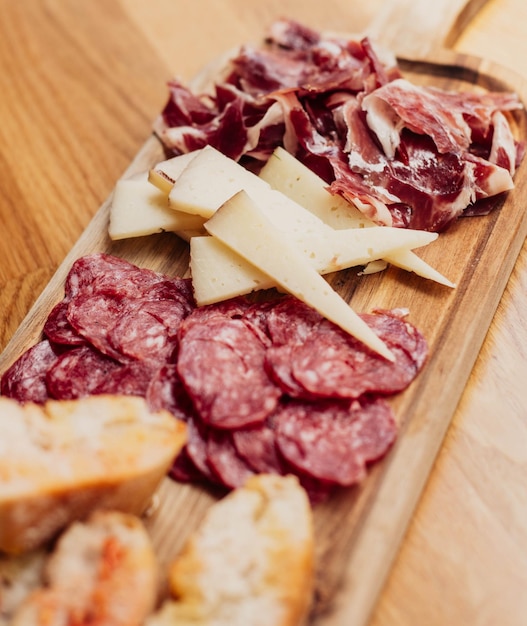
263	386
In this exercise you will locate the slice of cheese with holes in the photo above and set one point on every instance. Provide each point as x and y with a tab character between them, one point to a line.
287	174
218	274
138	209
242	226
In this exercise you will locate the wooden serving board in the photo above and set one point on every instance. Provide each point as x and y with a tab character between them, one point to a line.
359	530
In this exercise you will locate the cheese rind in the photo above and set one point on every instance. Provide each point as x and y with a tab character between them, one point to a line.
165	173
243	226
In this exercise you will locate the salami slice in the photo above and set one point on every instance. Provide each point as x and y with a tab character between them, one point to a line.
221	364
94	317
169	312
230	469
333	441
25	379
278	361
166	391
257	446
196	448
78	372
139	335
130	380
317	490
174	289
290	321
234	308
58	329
107	274
396	332
184	470
332	364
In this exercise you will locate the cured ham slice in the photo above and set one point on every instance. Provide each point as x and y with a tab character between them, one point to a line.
450	119
405	155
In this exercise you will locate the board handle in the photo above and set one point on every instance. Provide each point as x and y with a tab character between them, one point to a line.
414	28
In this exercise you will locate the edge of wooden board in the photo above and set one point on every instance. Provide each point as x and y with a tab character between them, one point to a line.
373	518
389	502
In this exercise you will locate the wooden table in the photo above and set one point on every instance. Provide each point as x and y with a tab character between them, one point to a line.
81	82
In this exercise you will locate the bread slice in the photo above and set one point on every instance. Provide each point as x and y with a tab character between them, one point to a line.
60	461
102	572
19	575
250	562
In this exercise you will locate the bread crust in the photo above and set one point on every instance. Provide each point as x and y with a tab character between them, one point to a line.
102	572
62	460
251	561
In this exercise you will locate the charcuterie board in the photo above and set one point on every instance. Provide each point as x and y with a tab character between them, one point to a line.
358	530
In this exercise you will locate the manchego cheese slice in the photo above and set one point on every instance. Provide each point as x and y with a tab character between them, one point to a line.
165	173
218	273
139	209
242	226
209	180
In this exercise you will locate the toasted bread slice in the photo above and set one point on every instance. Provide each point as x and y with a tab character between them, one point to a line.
19	575
101	572
60	461
250	562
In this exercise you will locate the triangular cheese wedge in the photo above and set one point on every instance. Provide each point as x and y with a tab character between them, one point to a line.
242	226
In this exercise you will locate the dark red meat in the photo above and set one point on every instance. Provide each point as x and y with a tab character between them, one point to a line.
166	391
221	364
257	446
132	379
230	469
329	363
196	448
262	387
334	441
25	379
401	152
58	329
78	372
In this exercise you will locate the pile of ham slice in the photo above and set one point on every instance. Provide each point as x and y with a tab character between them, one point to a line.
406	155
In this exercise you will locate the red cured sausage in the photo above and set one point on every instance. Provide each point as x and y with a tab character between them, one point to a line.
25	379
263	387
165	391
221	364
78	372
333	441
329	363
228	466
257	446
58	330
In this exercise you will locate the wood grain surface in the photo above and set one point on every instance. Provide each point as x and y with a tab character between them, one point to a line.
81	84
